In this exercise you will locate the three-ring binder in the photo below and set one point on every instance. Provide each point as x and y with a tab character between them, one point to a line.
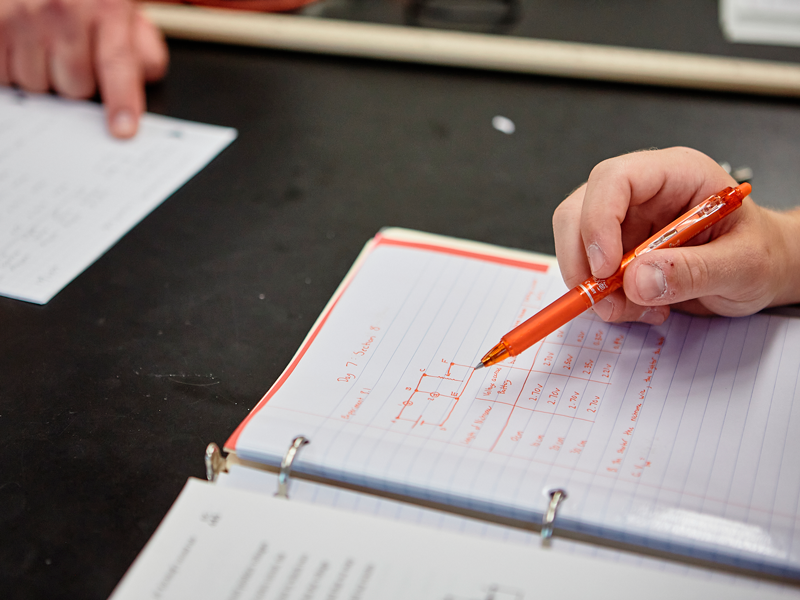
215	462
286	466
557	496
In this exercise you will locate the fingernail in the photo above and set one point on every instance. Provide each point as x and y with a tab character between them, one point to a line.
123	125
597	259
652	317
650	282
604	308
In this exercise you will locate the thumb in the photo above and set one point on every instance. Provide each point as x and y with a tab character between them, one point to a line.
729	282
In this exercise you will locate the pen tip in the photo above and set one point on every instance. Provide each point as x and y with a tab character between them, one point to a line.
478	366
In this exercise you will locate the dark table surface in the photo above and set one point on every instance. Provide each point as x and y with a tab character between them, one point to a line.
110	393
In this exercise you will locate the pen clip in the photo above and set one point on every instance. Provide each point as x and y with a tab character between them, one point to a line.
702	211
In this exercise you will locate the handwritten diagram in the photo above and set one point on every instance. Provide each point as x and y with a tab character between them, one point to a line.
516	403
398	356
540	406
436	396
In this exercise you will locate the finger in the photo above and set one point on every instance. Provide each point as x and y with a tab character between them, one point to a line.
617	307
5	76
672	179
575	268
694	307
118	73
70	59
150	48
28	58
569	247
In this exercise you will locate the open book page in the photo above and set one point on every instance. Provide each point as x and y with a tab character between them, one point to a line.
681	437
224	543
69	191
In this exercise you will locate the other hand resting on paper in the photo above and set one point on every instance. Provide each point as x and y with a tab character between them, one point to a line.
748	261
77	46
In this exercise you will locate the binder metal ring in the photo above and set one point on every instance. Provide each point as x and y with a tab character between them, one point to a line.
215	463
286	466
556	497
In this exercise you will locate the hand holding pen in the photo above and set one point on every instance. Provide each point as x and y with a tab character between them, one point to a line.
746	262
734	265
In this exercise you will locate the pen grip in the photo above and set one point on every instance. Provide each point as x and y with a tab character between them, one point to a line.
546	321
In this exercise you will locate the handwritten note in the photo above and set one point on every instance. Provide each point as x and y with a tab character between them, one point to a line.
681	436
68	191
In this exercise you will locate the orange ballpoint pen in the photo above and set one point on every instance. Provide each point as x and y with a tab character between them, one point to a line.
584	296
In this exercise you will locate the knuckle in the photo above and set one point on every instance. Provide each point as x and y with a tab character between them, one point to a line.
697	273
74	81
603	168
686	150
33	85
571	274
112	6
625	311
619	308
114	57
566	220
155	66
619	167
20	14
759	265
118	57
618	312
686	278
560	215
60	7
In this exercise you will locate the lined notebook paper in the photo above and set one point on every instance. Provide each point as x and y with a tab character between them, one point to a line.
681	437
69	191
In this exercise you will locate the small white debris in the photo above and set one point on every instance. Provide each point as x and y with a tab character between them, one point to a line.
503	124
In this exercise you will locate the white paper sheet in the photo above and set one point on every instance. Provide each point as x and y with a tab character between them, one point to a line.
228	544
69	191
681	436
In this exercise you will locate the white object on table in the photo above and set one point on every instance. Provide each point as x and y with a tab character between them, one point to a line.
774	22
